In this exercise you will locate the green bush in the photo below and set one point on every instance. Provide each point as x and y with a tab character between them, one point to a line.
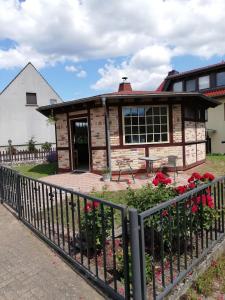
46	146
32	145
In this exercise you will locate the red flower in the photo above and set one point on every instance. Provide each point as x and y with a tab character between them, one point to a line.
165	213
196	176
168	181
198	199
87	208
194	208
96	204
209	176
181	189
210	201
191	179
155	181
160	175
191	185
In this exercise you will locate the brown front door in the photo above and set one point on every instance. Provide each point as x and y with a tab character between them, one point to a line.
80	146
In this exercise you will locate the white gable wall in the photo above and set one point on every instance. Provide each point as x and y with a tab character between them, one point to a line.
20	122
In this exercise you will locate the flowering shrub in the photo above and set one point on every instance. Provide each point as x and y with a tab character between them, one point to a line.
51	157
92	221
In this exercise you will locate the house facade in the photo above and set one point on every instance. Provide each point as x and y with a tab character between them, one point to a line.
210	81
94	133
19	120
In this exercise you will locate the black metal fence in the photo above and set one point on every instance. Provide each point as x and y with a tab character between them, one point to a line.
24	155
89	232
177	234
141	257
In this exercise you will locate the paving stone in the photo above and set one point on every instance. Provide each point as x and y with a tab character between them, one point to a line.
30	270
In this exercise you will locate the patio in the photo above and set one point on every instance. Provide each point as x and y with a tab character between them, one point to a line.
89	182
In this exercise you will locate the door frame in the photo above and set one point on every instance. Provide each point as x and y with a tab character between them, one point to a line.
72	144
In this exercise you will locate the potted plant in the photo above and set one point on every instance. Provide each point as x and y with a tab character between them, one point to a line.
106	174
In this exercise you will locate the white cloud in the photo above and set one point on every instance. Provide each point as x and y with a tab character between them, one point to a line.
147	33
82	74
71	69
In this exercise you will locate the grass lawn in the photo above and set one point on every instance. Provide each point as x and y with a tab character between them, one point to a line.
37	171
211	284
214	164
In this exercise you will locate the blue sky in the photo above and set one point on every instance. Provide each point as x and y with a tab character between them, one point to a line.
84	48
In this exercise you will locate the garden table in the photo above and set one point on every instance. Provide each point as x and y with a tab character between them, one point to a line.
150	161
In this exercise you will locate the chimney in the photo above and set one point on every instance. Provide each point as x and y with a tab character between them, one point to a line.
125	86
173	72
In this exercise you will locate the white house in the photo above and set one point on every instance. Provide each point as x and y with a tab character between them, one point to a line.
19	119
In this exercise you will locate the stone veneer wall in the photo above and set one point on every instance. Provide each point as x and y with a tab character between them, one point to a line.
201	151
200	131
190	131
63	159
62	130
114	126
97	117
177	123
165	151
99	161
133	154
190	154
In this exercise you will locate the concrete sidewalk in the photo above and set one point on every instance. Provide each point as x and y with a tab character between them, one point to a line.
31	270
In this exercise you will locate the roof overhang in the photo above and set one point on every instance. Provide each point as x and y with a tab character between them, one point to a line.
119	98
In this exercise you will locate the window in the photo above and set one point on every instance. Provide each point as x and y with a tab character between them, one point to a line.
191	85
31	98
203	82
178	86
146	124
189	113
220	78
52	101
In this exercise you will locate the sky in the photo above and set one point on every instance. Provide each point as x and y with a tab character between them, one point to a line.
85	47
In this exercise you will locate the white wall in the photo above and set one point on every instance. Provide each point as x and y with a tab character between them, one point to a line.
216	121
20	122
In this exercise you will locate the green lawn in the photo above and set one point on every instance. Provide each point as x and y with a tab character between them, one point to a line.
37	171
214	164
211	284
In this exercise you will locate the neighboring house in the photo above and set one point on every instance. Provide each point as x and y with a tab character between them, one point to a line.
210	81
19	119
95	132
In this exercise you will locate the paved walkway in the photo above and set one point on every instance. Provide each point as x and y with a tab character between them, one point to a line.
30	270
88	182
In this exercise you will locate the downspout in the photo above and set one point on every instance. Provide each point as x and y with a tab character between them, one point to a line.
107	134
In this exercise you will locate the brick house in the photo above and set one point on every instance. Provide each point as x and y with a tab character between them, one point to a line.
94	132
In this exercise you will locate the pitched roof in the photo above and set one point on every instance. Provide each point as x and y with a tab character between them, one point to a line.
215	93
21	71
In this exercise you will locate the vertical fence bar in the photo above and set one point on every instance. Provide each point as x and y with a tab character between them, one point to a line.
135	254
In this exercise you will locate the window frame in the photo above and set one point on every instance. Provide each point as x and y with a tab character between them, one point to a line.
182	86
146	143
195	85
31	104
218	85
205	88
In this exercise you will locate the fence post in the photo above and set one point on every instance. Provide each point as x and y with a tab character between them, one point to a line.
18	196
135	254
1	187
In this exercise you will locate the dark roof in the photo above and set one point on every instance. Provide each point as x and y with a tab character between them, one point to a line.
21	71
208	102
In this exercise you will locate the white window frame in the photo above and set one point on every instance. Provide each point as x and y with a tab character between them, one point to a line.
146	143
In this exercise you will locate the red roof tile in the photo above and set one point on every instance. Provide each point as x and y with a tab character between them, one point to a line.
160	87
215	93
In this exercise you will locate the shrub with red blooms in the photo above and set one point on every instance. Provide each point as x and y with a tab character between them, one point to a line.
91	223
161	179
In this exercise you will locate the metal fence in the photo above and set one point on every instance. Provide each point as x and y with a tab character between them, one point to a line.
128	255
24	155
90	233
177	234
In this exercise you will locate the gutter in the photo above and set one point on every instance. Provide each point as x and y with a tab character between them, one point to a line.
107	134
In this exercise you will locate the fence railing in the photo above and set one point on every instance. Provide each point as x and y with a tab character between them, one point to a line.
89	232
177	234
161	247
24	155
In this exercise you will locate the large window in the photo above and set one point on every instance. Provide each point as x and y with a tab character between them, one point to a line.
31	98
191	85
203	82
145	124
178	86
220	78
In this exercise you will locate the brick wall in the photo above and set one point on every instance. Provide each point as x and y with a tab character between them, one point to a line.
78	112
114	126
190	154
133	154
63	159
200	131
201	152
177	123
97	117
99	160
166	151
61	130
190	131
